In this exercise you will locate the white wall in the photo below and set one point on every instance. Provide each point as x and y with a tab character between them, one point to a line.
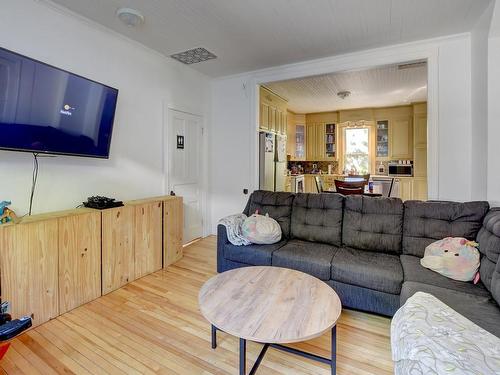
146	81
479	105
234	123
494	109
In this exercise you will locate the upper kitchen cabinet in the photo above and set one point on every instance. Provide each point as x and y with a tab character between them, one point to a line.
401	138
296	136
394	132
321	136
272	112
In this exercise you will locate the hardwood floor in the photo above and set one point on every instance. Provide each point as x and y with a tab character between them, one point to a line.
153	326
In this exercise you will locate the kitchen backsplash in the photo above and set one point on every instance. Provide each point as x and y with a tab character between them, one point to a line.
321	165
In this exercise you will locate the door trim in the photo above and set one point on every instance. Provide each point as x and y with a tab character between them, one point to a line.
203	162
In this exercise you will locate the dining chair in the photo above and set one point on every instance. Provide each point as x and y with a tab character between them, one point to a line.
350	187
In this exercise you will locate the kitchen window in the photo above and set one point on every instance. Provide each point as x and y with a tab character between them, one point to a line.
357	150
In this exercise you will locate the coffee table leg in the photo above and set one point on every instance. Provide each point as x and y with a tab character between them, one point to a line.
214	337
334	350
243	356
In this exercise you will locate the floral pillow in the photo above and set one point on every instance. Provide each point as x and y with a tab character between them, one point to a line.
261	230
453	257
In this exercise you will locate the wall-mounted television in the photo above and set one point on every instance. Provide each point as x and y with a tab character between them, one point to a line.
44	109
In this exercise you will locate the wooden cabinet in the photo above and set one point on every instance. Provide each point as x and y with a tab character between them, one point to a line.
173	221
401	138
148	237
420	188
79	242
321	142
117	247
288	184
310	184
312	144
28	256
272	112
420	151
406	188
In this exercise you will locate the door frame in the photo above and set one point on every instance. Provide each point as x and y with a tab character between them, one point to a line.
166	141
414	51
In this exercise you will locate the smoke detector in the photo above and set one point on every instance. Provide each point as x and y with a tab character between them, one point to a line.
130	17
343	94
193	56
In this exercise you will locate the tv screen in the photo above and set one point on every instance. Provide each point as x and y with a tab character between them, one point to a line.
44	109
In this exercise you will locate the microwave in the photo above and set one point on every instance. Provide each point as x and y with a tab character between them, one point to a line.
400	170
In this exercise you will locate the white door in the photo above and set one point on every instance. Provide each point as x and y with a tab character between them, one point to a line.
185	143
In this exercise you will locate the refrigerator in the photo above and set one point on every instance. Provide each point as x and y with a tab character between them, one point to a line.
272	162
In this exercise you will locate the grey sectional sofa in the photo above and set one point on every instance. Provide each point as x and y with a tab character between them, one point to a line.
369	249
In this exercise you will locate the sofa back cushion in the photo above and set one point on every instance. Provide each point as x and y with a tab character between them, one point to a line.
318	218
277	204
489	246
374	224
426	222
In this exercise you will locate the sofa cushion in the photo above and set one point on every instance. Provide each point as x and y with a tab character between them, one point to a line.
318	217
482	310
309	257
413	271
374	224
426	222
368	269
255	255
489	246
277	204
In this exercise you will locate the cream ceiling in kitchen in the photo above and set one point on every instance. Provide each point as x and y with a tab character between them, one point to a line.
253	34
378	87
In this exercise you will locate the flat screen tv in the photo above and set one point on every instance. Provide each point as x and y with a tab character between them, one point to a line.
44	109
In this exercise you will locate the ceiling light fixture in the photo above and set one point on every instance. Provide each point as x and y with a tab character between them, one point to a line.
343	94
130	17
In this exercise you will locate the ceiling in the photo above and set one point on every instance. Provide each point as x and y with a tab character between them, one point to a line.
253	34
378	87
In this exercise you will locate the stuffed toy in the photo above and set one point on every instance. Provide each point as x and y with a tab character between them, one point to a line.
6	214
453	257
261	230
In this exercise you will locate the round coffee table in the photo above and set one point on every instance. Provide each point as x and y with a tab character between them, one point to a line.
272	306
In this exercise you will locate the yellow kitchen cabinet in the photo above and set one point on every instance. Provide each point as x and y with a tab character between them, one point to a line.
272	108
401	138
406	188
288	184
311	142
420	188
310	184
420	161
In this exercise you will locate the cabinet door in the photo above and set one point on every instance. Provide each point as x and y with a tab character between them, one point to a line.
79	260
401	139
148	241
406	188
291	140
420	188
28	255
117	247
320	143
420	161
420	129
272	119
264	117
173	220
311	142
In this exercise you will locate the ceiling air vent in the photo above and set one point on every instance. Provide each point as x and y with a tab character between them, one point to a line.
411	65
193	56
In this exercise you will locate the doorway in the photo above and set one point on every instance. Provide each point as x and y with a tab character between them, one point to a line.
184	150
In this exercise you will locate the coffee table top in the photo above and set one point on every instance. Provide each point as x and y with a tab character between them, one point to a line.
269	304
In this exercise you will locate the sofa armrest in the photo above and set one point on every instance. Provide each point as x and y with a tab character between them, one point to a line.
222	240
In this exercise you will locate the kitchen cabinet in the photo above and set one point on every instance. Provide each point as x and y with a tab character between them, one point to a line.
288	184
310	184
148	238
79	242
420	188
406	188
272	112
312	142
401	138
321	142
28	258
420	151
382	151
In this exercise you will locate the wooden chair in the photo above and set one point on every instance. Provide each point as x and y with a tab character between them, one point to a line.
319	184
350	187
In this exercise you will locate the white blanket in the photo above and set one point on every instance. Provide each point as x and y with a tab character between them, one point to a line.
233	228
429	337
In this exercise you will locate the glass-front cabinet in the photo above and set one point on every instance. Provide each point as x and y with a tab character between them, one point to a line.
300	142
383	139
330	144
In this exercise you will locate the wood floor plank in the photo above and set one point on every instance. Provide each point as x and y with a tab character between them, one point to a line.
153	326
